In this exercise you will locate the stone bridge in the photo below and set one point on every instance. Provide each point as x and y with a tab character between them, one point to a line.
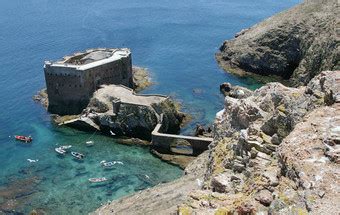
165	142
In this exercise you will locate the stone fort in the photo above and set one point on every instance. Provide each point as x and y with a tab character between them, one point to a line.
72	80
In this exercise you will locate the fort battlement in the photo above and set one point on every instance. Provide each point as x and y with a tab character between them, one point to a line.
72	80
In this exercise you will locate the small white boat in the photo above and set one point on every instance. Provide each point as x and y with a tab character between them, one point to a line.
97	180
89	143
77	155
60	151
32	160
65	147
108	164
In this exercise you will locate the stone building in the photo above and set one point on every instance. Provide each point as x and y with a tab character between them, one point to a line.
71	81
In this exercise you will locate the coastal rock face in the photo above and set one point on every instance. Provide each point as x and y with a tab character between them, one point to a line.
141	78
310	157
296	44
276	151
234	91
117	110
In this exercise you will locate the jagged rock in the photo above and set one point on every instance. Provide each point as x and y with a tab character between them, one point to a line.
221	183
237	92
141	78
118	110
199	130
275	139
272	175
264	197
227	182
303	160
296	44
249	145
42	97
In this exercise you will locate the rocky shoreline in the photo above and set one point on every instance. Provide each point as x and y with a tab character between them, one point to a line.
295	45
126	114
256	163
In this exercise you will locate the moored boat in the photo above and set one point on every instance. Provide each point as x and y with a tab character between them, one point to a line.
97	180
65	147
77	155
23	138
60	151
109	164
89	143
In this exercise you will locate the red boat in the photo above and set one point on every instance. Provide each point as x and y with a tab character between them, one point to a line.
24	138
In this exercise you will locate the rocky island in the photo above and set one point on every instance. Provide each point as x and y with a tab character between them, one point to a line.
94	91
117	110
275	149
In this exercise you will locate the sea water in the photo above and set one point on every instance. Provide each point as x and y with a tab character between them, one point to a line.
175	39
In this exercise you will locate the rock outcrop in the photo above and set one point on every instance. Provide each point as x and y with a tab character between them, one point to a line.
296	44
118	111
274	152
141	78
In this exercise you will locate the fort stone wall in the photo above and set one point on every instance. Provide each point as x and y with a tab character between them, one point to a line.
70	87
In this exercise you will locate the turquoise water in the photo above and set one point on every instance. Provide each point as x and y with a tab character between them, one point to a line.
175	39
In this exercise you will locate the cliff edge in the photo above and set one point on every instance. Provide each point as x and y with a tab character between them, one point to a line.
296	44
275	151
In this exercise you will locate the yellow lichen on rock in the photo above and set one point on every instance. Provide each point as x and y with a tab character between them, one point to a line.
223	211
184	210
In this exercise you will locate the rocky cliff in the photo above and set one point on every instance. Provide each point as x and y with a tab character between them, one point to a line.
275	151
119	111
296	44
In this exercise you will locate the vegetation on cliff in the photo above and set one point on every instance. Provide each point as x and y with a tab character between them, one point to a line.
296	44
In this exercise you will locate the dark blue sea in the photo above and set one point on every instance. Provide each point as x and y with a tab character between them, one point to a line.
175	39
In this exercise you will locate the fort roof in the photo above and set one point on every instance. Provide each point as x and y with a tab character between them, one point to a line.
90	58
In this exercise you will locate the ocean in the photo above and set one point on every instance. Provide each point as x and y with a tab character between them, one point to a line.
176	40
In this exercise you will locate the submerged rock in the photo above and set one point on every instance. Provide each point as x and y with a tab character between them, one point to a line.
161	199
177	159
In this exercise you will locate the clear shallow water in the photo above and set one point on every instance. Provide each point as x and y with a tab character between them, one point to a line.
175	39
